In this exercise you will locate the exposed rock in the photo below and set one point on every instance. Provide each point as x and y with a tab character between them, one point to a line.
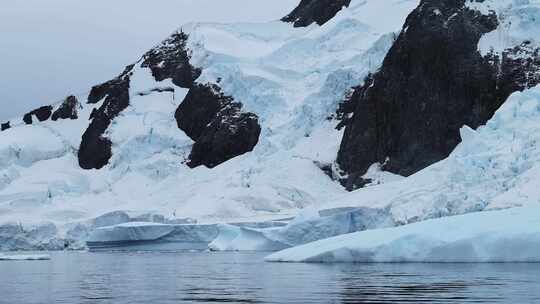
67	110
200	107
5	126
218	126
170	60
230	134
100	91
319	11
214	121
42	114
432	82
95	149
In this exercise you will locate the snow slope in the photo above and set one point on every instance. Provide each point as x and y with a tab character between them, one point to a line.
518	22
495	167
292	78
497	236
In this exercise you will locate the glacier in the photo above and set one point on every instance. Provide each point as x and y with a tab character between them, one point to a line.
494	168
292	78
277	196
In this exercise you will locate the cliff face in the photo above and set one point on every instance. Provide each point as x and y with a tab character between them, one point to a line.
315	11
95	149
218	126
433	81
170	60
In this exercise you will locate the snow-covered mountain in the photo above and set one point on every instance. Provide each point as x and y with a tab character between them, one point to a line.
236	123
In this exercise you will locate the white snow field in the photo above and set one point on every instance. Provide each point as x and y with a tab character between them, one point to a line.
511	235
293	79
518	22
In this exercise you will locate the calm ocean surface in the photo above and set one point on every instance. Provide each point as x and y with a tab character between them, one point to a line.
208	277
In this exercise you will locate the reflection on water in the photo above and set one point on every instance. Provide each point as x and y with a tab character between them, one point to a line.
187	277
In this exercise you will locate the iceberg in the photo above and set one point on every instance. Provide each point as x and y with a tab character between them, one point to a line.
307	227
152	236
25	257
511	235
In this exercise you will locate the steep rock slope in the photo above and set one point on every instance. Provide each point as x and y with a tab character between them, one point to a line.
95	149
315	11
433	81
218	126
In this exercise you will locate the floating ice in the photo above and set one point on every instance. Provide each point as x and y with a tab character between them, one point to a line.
511	235
25	257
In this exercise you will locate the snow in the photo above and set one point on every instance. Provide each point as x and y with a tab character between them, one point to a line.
24	146
115	33
495	167
519	21
232	238
498	236
293	79
25	257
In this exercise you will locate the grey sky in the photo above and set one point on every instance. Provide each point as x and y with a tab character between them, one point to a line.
52	48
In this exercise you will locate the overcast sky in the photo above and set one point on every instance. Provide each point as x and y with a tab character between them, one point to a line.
52	48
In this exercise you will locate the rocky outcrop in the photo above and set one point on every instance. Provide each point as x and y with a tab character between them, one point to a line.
432	82
5	126
319	11
170	60
200	106
215	122
98	92
95	149
230	134
41	113
67	110
218	126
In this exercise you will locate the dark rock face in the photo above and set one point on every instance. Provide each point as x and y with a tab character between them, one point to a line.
200	106
99	92
319	11
5	126
218	126
170	60
95	149
42	114
433	81
230	134
67	110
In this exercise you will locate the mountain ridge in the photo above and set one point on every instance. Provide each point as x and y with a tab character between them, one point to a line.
235	123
